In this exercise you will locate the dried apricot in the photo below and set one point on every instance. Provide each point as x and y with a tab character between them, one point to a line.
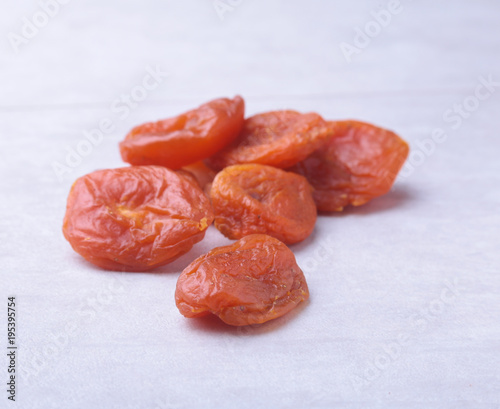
359	162
203	174
278	138
187	138
251	281
135	218
256	198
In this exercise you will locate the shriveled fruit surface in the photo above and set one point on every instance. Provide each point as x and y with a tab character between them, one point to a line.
251	281
186	138
135	218
256	198
277	138
359	162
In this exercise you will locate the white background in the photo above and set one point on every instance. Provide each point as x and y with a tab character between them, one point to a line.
404	309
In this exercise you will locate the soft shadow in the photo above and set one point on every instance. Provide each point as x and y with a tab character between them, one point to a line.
175	266
180	263
212	239
212	324
399	196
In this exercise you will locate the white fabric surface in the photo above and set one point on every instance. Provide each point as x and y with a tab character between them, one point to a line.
404	309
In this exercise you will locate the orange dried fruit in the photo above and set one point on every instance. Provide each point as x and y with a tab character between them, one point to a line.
256	198
359	162
135	218
277	138
186	138
202	173
251	281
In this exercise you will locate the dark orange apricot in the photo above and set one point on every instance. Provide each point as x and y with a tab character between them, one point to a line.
186	138
251	281
135	218
256	198
278	138
357	163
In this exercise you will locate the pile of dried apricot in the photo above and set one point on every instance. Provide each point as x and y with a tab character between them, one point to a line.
261	179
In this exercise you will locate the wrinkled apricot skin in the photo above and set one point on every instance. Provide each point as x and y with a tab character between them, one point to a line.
135	218
251	281
277	138
254	198
358	163
186	138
